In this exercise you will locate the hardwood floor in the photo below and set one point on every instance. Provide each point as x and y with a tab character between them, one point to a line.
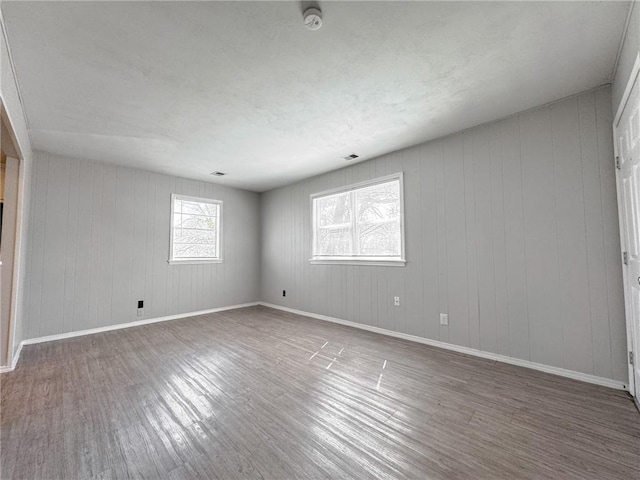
258	393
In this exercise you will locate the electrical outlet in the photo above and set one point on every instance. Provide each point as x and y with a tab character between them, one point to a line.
284	293
140	308
396	301
444	319
140	312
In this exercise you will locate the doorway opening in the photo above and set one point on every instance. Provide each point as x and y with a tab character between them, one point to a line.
10	211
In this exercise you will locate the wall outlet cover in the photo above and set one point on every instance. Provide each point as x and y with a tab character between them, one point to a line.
444	319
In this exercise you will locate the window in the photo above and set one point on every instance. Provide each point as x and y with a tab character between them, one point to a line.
360	224
195	230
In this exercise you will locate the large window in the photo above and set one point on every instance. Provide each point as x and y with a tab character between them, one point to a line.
196	225
360	223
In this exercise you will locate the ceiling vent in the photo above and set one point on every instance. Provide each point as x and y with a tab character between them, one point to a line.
218	174
353	156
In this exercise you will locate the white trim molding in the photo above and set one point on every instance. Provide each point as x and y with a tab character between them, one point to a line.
627	91
635	72
605	382
16	356
584	377
119	326
138	323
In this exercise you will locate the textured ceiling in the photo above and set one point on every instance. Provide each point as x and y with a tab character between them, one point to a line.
244	88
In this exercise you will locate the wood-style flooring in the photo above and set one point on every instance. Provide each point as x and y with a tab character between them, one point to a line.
260	394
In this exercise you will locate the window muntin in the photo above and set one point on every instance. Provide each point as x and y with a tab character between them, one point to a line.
196	224
360	223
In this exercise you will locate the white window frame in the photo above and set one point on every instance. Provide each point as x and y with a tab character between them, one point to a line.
193	261
359	260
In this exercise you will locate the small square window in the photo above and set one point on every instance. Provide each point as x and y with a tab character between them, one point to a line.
196	224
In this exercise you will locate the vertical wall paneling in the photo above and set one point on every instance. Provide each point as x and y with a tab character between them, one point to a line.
471	243
99	242
541	238
510	228
499	239
429	216
413	223
441	229
56	236
572	250
71	243
595	248
515	254
484	239
455	239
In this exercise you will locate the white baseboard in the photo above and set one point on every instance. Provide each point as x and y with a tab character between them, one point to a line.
120	326
16	356
605	382
137	323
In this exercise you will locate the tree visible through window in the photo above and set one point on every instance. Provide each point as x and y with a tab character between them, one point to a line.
195	229
361	222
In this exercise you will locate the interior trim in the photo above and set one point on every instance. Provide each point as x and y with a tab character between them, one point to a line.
563	372
119	326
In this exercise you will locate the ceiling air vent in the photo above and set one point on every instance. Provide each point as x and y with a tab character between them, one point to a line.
218	174
353	156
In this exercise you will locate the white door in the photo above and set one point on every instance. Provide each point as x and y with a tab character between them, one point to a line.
627	136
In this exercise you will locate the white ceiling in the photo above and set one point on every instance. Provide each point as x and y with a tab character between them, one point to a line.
244	88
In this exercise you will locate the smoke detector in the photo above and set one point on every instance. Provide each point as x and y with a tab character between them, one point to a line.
312	18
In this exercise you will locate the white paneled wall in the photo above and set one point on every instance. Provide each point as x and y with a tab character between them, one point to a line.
511	228
99	242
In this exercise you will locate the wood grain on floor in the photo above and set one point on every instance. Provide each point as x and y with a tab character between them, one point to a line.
261	394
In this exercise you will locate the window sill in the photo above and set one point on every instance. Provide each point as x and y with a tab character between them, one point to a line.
195	261
376	262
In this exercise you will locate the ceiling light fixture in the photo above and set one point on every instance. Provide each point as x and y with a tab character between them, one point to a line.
312	18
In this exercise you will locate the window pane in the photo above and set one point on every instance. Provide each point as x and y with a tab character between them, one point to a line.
380	239
334	210
194	251
198	208
193	221
334	241
378	202
185	235
379	220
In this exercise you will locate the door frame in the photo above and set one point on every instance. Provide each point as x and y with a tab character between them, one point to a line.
623	237
9	363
